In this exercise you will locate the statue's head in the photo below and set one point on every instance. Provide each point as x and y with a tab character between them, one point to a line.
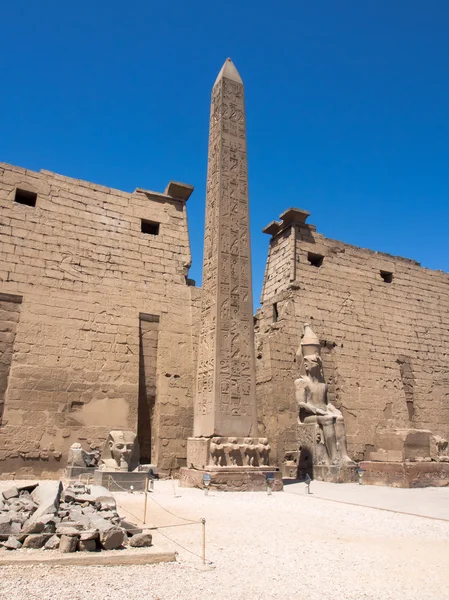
313	364
263	441
121	445
216	440
248	441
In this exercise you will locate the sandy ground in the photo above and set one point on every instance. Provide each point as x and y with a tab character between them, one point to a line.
287	545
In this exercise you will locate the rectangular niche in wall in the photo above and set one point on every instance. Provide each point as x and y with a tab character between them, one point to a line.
316	260
148	338
9	317
386	276
150	227
25	197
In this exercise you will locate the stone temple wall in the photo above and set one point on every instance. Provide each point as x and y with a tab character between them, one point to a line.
92	311
383	322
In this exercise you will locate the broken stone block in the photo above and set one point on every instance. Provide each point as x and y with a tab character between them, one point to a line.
68	543
69	528
18	517
112	538
29	487
108	514
87	546
89	535
141	540
35	540
52	543
12	543
32	527
130	528
103	496
8	527
47	496
11	492
97	522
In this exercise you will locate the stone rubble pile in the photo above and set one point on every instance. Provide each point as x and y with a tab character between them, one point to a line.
79	517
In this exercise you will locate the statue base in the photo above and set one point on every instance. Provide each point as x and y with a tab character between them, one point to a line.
121	481
406	474
74	473
313	458
232	479
331	473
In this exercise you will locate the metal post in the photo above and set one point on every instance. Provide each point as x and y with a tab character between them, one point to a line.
145	502
203	522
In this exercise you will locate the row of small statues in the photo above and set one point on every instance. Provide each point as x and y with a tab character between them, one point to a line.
230	452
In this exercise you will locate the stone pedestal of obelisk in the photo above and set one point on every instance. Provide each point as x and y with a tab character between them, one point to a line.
225	443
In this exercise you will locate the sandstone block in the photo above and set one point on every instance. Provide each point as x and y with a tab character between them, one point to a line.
11	492
47	495
68	543
52	543
87	545
140	540
12	543
35	541
112	538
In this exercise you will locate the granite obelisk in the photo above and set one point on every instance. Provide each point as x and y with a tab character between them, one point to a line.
225	389
224	449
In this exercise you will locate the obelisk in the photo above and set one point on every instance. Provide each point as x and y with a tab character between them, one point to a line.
225	403
224	449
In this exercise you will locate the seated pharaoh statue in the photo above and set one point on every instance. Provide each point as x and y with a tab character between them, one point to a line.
120	452
314	406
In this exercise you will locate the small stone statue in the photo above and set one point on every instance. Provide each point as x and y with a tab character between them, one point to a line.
217	452
80	458
250	452
120	452
442	449
313	404
234	452
263	451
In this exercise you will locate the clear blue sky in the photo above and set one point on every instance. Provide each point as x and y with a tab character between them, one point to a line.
347	107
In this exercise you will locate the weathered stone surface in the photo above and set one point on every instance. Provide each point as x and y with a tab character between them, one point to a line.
68	543
231	479
8	527
103	496
92	534
35	541
225	401
382	351
52	543
47	495
87	363
97	522
11	492
32	527
87	545
69	528
12	543
406	474
140	540
130	528
112	538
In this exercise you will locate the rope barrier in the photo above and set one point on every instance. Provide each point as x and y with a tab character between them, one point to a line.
173	514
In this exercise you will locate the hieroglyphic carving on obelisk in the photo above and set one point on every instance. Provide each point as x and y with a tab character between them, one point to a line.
225	389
